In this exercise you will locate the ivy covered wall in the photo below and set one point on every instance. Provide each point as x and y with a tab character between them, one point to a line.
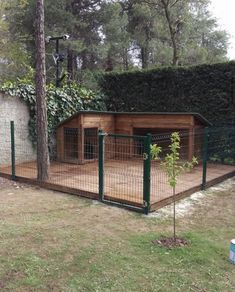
61	102
206	89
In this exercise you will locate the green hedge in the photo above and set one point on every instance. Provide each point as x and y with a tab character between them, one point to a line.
206	89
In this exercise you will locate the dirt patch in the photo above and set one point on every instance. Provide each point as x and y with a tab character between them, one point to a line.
5	183
8	276
171	242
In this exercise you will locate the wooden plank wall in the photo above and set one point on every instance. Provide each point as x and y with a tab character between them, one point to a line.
73	123
125	124
105	122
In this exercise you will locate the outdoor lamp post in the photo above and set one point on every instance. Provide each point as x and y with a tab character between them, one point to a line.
57	56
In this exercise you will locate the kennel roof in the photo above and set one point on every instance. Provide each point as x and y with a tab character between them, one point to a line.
198	116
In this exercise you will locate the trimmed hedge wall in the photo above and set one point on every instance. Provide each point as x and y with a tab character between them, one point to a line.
206	89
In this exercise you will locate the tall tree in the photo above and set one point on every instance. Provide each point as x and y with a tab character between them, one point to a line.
187	29
203	42
142	26
174	26
115	34
14	60
174	11
116	39
41	108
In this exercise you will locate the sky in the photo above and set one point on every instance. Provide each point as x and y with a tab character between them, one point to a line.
224	11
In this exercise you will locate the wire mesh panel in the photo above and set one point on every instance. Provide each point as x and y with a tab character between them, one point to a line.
221	145
221	152
15	140
123	169
76	168
191	145
74	155
75	164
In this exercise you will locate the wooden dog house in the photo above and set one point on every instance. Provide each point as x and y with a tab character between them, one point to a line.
77	137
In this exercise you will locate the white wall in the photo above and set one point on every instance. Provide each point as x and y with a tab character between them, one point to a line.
12	108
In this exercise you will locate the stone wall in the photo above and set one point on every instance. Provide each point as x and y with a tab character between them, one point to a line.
12	108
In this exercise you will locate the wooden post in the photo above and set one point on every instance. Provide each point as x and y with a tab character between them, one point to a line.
81	140
81	145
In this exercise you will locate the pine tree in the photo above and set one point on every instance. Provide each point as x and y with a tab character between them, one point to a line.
41	109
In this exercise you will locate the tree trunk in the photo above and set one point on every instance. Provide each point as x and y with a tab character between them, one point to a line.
41	110
144	57
175	58
109	63
125	59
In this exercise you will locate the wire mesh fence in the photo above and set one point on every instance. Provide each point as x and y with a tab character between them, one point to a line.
123	168
75	168
119	169
221	151
221	145
74	163
191	145
18	153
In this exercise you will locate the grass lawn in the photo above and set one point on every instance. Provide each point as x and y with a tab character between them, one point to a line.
51	241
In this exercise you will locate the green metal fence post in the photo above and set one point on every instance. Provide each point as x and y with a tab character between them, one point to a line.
13	167
101	164
147	171
205	157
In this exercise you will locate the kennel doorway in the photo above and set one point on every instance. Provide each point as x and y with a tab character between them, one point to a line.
162	137
90	144
71	144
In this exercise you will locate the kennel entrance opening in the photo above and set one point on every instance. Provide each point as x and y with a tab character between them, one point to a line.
90	143
71	144
162	137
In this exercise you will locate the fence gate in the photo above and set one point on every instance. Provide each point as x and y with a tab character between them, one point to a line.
124	170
